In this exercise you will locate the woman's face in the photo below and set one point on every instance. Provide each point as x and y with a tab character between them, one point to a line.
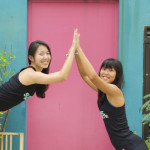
108	74
41	58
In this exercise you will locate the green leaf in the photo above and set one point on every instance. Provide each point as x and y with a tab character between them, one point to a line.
146	96
146	104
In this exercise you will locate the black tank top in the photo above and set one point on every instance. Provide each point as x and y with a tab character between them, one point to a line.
116	124
13	92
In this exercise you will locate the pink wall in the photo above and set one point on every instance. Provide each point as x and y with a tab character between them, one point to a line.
68	118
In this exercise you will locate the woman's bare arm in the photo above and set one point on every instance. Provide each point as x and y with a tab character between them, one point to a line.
29	76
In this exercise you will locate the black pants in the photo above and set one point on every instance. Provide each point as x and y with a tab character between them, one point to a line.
133	142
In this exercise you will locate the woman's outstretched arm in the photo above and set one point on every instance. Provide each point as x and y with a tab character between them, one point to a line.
82	70
82	67
29	76
90	76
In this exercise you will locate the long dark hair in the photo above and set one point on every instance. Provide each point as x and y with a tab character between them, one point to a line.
116	64
41	88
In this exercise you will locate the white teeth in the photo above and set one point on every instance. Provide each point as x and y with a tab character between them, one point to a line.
45	62
104	77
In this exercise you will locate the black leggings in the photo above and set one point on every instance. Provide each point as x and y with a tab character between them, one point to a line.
133	142
139	143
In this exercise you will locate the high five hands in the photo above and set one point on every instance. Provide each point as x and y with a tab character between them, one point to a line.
75	42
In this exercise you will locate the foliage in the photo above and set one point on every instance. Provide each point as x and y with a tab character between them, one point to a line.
146	117
146	107
148	142
6	58
1	116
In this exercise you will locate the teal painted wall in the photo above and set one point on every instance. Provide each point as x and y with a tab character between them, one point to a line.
13	35
133	15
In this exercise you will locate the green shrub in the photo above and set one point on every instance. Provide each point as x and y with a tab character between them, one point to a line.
146	117
6	58
148	142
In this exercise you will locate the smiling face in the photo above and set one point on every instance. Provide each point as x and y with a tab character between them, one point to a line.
111	71
41	58
108	74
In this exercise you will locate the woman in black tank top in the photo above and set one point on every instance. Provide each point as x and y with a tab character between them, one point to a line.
36	77
110	100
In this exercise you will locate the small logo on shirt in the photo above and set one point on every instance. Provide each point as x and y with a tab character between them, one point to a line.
27	96
104	115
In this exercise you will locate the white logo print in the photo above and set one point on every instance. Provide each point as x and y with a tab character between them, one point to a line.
27	96
104	115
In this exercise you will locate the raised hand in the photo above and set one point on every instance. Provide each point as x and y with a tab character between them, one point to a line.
74	42
75	38
78	42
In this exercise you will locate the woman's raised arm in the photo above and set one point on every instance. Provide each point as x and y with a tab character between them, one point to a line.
90	76
29	76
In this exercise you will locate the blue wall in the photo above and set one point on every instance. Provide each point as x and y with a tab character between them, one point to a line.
13	33
133	15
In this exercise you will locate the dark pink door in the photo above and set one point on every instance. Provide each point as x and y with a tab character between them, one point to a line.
68	118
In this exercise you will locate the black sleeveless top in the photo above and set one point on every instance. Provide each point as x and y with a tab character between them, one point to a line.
115	122
118	130
13	92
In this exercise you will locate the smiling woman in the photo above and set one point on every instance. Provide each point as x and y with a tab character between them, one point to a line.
108	74
42	58
111	101
35	77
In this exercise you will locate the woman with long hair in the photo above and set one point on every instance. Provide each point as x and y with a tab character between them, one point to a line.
110	100
35	77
